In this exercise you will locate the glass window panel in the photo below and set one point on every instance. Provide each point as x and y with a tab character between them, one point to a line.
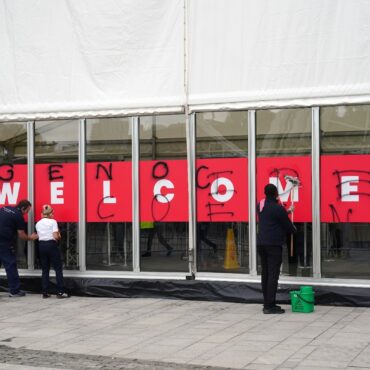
222	209
345	172
286	134
13	162
163	236
56	181
283	132
108	234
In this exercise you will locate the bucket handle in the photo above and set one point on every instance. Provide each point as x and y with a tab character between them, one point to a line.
304	300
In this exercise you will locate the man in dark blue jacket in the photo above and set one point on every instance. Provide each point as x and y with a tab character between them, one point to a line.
273	226
12	224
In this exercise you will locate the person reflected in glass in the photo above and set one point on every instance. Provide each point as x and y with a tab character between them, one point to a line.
302	242
209	255
149	230
49	253
202	236
119	236
336	233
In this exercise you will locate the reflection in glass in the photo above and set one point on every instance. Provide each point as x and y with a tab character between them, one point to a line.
13	151
286	133
108	244
345	245
283	132
163	245
222	246
56	142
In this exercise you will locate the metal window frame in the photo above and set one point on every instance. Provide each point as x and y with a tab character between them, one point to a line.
316	225
135	122
316	217
315	170
82	201
231	276
30	191
82	195
252	192
192	203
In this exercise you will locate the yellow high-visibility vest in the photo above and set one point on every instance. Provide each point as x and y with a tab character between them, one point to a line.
146	225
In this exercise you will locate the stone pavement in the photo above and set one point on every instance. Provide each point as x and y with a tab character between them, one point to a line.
144	333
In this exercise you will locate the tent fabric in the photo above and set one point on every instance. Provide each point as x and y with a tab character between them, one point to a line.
282	52
90	57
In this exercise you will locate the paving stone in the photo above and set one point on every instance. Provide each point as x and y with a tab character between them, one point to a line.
15	358
104	333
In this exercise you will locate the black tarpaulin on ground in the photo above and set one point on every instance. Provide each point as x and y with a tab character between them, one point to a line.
194	290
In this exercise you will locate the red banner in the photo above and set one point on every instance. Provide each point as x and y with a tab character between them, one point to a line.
13	183
57	185
345	188
222	189
109	192
292	177
164	190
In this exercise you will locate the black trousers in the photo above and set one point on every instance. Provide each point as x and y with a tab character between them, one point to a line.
9	261
50	255
202	230
150	234
271	259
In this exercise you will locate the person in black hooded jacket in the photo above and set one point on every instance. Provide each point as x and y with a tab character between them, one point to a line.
273	226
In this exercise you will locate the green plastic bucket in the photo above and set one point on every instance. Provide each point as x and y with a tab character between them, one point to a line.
302	300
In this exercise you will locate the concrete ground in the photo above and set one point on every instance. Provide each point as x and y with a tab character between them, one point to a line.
118	333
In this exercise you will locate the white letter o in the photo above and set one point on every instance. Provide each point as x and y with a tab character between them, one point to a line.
229	189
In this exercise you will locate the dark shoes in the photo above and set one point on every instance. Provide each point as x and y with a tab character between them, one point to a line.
16	295
275	310
149	254
59	295
146	254
63	295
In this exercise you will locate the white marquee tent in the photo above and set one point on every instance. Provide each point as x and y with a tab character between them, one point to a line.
92	57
